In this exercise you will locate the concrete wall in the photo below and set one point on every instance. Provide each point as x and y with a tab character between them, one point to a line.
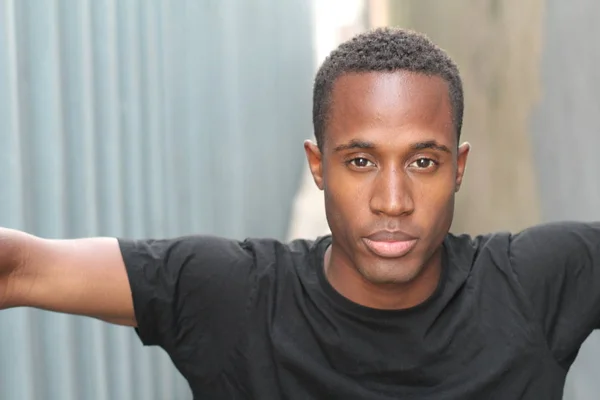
565	132
531	80
497	46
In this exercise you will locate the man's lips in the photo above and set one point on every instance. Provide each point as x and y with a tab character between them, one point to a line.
390	244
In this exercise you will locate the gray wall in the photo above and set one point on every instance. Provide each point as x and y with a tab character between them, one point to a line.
532	91
566	140
141	118
496	44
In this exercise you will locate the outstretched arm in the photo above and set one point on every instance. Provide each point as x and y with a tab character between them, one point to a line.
79	276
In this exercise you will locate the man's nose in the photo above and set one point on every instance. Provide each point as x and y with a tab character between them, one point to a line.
392	193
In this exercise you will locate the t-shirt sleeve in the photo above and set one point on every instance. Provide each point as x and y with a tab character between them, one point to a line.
190	295
558	267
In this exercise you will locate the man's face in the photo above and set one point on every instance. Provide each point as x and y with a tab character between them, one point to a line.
389	169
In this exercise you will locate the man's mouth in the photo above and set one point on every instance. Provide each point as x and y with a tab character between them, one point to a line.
390	244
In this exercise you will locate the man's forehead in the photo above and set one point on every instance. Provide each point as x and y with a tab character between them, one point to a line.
378	107
390	96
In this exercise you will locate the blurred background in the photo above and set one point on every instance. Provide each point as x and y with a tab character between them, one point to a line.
153	118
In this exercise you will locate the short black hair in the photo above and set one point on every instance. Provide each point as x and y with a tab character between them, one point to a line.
385	49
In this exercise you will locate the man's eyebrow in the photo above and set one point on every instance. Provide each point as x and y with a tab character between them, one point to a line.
361	144
354	144
431	144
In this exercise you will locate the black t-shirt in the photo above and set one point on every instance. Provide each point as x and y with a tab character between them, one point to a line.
257	319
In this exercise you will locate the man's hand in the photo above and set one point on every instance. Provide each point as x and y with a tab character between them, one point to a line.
79	276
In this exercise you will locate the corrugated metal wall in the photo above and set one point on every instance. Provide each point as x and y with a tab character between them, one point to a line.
566	136
141	118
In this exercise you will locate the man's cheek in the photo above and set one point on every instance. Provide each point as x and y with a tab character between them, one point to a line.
438	199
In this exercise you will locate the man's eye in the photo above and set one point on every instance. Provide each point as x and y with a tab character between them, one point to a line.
424	163
360	162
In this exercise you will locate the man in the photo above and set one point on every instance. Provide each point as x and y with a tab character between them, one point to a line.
390	306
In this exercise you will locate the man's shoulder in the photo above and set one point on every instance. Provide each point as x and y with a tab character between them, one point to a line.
541	246
275	252
297	245
468	246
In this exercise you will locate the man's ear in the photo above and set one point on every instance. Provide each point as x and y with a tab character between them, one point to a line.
315	162
461	163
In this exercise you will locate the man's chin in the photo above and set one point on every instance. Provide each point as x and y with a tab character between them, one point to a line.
390	275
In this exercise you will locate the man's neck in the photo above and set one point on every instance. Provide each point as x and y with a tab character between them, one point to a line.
350	283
